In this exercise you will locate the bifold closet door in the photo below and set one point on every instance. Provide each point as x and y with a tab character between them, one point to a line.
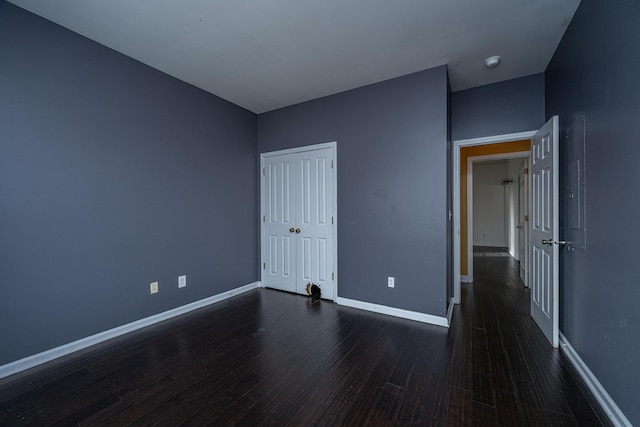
298	220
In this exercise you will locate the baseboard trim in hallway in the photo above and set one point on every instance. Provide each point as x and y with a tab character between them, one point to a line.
607	404
66	349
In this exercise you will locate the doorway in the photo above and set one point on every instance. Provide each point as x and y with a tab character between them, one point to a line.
543	227
495	216
461	235
299	219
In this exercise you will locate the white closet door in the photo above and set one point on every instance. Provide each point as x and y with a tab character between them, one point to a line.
299	220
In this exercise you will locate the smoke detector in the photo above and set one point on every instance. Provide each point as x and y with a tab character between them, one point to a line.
492	61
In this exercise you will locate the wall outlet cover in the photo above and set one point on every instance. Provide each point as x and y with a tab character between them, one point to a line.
153	287
182	281
391	282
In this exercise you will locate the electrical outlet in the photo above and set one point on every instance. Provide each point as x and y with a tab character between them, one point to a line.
391	282
182	281
153	288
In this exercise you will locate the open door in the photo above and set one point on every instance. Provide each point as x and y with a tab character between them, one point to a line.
544	228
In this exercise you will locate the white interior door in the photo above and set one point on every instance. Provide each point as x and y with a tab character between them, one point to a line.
298	233
544	230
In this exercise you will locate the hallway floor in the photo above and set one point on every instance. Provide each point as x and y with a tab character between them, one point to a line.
515	371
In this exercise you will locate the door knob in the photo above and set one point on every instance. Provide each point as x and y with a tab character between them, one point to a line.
297	230
551	242
291	230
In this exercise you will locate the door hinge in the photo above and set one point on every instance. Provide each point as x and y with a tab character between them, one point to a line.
526	171
264	171
526	217
331	164
264	218
264	265
333	277
331	220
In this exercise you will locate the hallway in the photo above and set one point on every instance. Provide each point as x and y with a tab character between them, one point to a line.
515	374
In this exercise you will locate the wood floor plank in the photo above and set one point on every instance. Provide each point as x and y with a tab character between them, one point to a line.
458	407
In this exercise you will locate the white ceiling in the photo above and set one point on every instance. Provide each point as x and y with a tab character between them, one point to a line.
264	55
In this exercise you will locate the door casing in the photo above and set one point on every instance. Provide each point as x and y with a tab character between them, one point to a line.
523	231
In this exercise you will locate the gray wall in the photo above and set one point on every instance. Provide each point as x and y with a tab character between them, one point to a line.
392	182
507	107
112	175
595	75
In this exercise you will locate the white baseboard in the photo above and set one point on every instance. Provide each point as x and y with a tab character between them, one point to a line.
490	244
465	279
392	311
450	310
606	402
63	350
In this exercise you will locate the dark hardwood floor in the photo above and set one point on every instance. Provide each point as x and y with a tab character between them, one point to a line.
272	358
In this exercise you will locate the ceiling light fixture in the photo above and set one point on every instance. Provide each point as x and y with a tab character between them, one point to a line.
492	61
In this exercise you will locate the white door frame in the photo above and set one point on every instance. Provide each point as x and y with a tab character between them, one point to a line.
455	167
333	146
524	217
470	162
